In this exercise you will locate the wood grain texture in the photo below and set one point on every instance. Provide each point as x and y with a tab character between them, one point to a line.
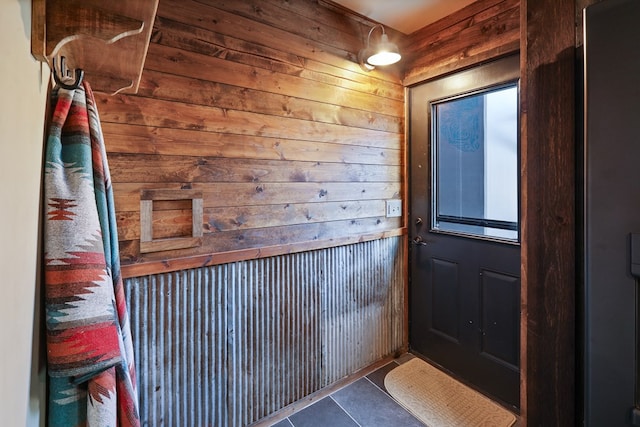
169	244
157	168
109	42
129	139
484	30
146	220
173	220
175	237
288	140
189	261
127	195
181	115
548	211
204	92
233	240
170	195
262	107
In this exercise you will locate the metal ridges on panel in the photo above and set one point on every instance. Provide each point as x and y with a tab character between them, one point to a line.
230	344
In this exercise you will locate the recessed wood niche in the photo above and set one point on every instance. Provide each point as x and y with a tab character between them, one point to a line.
150	244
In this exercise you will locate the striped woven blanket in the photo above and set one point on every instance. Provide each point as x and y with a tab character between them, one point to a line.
89	348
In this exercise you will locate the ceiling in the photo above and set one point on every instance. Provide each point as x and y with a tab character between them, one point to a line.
405	16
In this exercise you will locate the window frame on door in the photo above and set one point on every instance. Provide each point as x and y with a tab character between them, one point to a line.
472	227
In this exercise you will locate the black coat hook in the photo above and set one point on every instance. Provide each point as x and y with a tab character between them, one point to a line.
79	74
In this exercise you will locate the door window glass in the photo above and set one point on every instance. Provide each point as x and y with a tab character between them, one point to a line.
475	164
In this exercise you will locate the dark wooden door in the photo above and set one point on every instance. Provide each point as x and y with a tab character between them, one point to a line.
463	226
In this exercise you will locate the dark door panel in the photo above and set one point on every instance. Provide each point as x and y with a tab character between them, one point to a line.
465	274
465	311
500	316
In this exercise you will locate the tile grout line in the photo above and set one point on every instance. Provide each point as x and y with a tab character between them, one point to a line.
394	399
345	411
291	423
378	387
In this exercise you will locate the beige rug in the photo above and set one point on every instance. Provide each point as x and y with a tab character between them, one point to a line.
440	401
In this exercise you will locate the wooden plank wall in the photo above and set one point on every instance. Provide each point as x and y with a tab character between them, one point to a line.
261	106
484	30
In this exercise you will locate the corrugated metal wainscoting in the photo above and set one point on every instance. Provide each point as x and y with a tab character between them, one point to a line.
230	344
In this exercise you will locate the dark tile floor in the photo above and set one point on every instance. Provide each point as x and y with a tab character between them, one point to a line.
364	403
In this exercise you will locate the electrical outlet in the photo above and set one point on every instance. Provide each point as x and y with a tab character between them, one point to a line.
394	208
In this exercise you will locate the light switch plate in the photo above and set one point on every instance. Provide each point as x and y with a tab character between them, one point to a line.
394	208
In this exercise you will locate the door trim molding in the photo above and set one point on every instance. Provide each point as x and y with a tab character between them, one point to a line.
548	135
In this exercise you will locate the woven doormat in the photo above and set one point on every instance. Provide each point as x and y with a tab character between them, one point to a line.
440	401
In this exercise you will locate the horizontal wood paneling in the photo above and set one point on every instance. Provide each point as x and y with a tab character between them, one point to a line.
177	88
261	106
484	30
187	262
181	115
209	43
127	196
254	238
157	140
177	222
158	168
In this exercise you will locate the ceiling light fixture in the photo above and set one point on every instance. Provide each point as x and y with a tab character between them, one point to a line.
383	53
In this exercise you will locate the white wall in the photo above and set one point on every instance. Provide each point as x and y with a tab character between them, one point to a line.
21	126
